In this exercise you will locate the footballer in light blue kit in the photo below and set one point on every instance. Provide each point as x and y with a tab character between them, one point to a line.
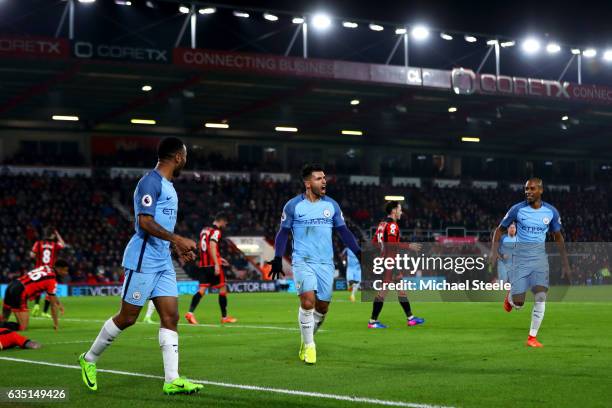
149	273
506	251
353	272
310	218
534	218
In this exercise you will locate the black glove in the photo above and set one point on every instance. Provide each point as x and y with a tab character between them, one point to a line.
277	267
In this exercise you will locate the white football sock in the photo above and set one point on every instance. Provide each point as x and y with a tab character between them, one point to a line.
150	309
168	343
537	314
107	334
306	319
355	288
319	318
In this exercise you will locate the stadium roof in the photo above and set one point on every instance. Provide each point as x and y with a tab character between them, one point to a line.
107	95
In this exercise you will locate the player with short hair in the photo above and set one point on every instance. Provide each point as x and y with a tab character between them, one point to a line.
211	269
30	285
506	248
311	217
353	272
44	252
149	272
534	218
388	231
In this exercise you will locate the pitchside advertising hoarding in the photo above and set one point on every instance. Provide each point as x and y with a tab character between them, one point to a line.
459	80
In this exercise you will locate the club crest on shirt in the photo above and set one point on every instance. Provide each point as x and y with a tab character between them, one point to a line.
147	200
326	213
136	295
283	216
546	220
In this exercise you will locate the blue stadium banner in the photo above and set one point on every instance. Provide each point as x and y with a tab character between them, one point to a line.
114	289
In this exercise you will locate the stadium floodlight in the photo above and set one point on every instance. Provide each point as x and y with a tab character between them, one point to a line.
184	9
146	88
395	198
352	132
548	163
400	31
65	118
420	32
355	102
349	24
207	10
87	1
376	27
270	17
123	3
321	21
297	20
446	36
452	109
421	157
470	139
553	48
589	52
607	56
576	51
241	14
492	42
508	44
531	46
150	4
143	121
216	125
565	117
285	129
470	38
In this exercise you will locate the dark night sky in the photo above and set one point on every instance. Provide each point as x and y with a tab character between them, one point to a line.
580	23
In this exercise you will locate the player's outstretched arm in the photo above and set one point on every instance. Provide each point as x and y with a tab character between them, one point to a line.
280	245
497	234
59	238
565	267
182	245
349	239
54	310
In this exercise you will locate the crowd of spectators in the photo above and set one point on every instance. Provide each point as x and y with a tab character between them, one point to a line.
82	210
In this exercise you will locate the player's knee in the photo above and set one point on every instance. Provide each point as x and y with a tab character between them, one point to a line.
169	320
321	307
307	304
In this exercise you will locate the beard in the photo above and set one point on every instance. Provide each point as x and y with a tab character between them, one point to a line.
177	170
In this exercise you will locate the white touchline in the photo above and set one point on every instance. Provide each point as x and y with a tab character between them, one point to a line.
245	387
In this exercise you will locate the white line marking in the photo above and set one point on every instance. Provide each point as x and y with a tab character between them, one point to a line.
245	387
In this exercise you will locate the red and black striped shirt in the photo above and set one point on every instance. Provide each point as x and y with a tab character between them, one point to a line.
39	280
206	235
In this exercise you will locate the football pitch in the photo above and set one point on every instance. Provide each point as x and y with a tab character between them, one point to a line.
465	355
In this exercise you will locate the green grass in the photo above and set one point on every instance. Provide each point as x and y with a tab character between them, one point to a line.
466	355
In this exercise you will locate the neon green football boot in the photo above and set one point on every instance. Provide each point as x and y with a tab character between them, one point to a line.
310	354
181	386
88	372
301	353
36	311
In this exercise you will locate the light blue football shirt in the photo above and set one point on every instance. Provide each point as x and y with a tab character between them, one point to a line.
311	225
532	224
155	196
